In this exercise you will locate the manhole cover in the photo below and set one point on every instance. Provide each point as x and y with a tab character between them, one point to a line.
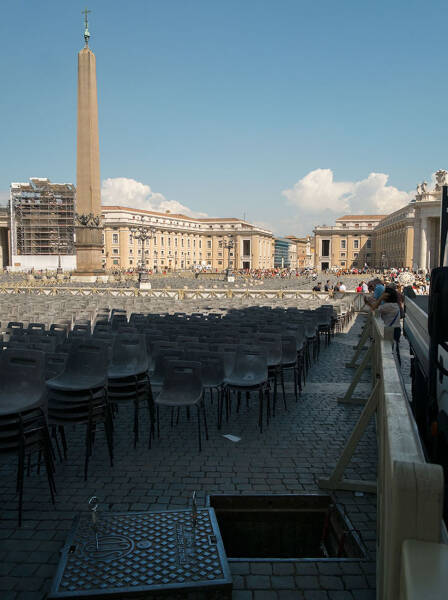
143	553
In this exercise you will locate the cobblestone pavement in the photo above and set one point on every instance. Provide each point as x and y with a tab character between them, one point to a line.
299	447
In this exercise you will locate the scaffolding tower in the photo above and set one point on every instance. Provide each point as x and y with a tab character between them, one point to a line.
42	218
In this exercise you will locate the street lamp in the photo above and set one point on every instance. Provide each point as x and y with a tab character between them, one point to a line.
142	232
229	243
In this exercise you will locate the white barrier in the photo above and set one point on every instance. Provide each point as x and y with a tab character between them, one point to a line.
410	491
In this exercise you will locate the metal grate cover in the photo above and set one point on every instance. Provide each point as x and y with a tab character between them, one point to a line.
142	553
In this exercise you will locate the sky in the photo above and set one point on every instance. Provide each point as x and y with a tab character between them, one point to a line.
289	113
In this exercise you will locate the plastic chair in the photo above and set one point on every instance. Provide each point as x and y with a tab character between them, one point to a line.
290	361
183	388
213	374
23	426
36	327
127	376
272	342
250	373
78	394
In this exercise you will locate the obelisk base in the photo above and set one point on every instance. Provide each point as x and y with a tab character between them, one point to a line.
89	245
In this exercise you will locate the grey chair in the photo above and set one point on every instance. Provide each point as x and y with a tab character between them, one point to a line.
213	374
250	374
183	387
78	394
290	361
272	342
127	377
23	424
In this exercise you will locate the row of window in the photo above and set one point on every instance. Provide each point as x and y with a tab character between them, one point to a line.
115	240
356	225
131	252
116	261
355	244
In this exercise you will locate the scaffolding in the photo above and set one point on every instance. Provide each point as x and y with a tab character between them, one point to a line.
42	218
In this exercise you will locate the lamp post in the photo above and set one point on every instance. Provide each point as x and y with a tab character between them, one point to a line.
229	243
142	232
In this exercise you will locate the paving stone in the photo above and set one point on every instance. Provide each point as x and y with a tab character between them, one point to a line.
265	595
28	584
31	596
9	595
307	582
315	595
353	582
365	594
282	582
368	567
283	569
241	595
24	570
239	568
6	568
306	568
290	595
258	582
329	568
261	568
46	571
353	568
340	595
8	583
330	582
238	582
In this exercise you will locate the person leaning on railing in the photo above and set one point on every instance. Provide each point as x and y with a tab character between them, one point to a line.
390	311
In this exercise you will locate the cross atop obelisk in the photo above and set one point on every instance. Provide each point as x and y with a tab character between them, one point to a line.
89	238
85	12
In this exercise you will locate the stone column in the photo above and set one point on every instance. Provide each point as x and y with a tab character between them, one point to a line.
89	240
423	243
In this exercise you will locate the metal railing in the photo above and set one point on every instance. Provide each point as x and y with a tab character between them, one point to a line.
410	490
179	294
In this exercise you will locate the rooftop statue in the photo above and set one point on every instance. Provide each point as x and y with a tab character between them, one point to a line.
441	179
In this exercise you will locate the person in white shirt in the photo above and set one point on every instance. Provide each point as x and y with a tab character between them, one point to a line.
342	287
365	289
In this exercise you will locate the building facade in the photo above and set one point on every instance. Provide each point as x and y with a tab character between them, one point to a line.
304	251
41	221
393	239
346	245
179	242
285	254
427	207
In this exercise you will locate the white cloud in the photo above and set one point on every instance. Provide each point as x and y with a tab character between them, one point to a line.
318	193
123	191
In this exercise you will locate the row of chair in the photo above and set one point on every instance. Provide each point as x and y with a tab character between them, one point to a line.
153	360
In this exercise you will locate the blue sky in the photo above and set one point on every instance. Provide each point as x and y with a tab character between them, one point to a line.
223	106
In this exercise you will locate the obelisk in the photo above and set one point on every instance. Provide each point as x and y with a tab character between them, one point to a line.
89	238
